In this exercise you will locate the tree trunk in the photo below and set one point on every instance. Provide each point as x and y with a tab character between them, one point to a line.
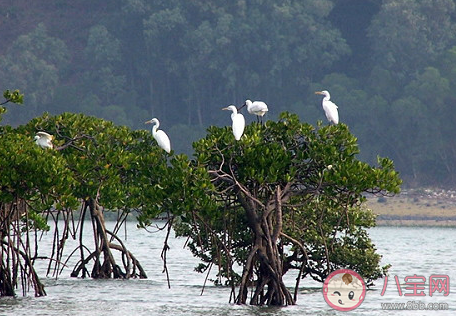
105	265
264	265
15	255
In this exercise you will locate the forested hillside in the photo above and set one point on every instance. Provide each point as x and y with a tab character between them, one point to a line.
390	67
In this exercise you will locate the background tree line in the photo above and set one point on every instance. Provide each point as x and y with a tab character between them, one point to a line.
389	65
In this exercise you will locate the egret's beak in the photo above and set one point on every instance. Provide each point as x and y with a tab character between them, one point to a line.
318	92
148	122
242	106
225	108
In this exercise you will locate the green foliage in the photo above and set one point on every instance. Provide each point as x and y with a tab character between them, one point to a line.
36	221
93	163
15	97
102	54
31	174
180	60
34	62
323	190
410	34
108	162
102	49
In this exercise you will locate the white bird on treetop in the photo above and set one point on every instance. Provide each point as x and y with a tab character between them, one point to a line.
329	107
238	122
259	108
44	140
159	135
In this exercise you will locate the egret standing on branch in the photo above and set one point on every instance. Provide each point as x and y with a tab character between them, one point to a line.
259	108
238	122
330	108
44	140
160	136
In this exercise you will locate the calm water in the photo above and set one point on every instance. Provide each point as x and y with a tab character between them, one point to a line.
420	251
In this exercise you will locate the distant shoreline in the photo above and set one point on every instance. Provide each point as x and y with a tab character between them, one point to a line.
419	207
415	222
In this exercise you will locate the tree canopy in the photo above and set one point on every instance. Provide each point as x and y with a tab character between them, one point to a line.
388	65
95	167
286	196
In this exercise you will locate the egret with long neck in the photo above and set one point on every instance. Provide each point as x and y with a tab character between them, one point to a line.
159	135
329	107
238	122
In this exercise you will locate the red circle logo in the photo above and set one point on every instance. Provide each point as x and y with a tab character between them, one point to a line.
344	290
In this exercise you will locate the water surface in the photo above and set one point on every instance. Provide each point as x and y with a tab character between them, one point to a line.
421	251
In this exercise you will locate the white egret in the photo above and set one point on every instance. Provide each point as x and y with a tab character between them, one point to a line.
238	122
329	107
159	135
44	140
259	108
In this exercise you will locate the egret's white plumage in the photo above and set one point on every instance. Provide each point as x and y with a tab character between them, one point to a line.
159	135
329	107
238	122
258	108
44	140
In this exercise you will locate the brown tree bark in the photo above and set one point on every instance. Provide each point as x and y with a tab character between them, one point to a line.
264	259
105	265
16	263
